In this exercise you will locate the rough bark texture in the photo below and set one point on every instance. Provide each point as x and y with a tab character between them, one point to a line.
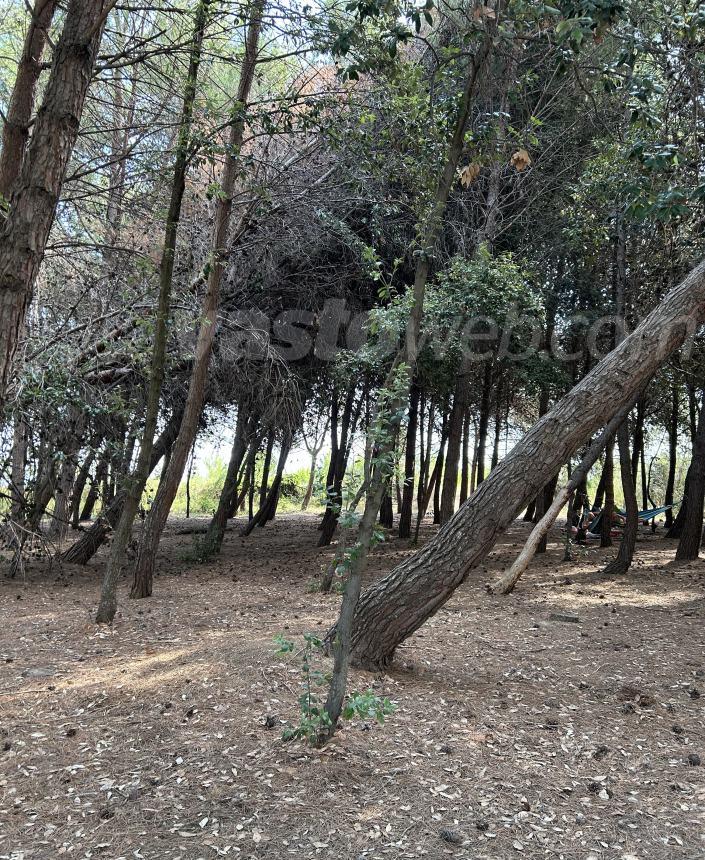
625	554
398	604
15	130
92	539
608	489
461	399
672	454
409	464
36	192
134	485
156	520
689	543
506	584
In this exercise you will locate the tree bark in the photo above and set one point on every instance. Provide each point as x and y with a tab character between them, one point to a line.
405	513
92	539
461	400
625	554
135	484
216	529
483	423
157	517
36	191
672	453
465	467
690	538
608	507
506	584
399	603
15	130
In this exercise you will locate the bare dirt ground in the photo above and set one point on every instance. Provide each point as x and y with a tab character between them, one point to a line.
515	735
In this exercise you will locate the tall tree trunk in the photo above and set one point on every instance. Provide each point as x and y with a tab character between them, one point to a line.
439	471
216	529
36	191
15	130
461	400
625	554
134	486
672	453
101	472
408	356
608	508
348	422
157	517
398	604
484	421
266	465
405	513
465	469
689	543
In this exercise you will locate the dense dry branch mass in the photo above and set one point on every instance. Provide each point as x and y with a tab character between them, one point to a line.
314	320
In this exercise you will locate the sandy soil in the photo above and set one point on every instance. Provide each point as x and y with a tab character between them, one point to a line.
514	735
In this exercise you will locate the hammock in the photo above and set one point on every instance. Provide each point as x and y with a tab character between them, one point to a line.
642	516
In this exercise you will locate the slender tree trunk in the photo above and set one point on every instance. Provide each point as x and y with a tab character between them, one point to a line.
405	513
92	539
440	464
672	453
690	538
600	491
156	519
101	472
461	399
397	604
608	508
338	467
216	529
266	465
17	470
386	511
506	584
267	510
465	469
134	486
36	191
389	406
622	562
483	423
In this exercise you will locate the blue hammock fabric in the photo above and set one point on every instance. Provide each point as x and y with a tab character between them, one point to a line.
643	516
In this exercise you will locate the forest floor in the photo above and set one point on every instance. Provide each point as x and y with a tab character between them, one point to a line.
516	734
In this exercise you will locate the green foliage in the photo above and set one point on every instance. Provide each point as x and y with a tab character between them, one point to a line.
314	722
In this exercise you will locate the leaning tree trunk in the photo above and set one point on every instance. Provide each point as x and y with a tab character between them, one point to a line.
506	584
689	543
93	538
157	517
399	603
37	189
